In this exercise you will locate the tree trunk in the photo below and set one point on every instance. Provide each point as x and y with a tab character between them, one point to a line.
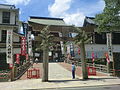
45	65
65	51
83	61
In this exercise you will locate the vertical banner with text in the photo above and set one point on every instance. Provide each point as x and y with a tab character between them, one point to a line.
29	43
109	46
9	47
23	46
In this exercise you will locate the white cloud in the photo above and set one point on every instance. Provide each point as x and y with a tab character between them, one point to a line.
76	19
59	7
16	2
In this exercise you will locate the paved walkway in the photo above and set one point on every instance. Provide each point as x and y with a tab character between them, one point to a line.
59	76
59	71
56	71
79	71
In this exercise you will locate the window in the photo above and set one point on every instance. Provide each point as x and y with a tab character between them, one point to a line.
6	17
4	33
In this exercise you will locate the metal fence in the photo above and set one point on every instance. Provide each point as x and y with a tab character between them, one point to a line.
19	71
101	68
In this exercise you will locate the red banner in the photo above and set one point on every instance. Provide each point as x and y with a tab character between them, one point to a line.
23	46
18	58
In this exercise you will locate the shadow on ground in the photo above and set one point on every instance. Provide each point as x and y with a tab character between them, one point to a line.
59	81
77	79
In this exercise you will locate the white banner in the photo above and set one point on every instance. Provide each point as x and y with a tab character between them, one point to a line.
109	46
9	47
29	43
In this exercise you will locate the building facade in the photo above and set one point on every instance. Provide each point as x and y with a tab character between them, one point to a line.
9	24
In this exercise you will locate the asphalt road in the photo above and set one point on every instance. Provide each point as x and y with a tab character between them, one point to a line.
113	87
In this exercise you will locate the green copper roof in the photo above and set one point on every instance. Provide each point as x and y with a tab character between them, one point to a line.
47	21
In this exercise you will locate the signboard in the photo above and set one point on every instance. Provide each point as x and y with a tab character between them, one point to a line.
23	46
18	58
9	47
29	43
109	46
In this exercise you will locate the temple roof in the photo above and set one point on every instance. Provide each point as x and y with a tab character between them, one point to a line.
47	21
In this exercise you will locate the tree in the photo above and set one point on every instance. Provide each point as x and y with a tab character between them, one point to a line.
47	42
80	39
109	19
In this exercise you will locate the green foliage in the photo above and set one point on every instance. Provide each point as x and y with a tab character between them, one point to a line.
81	37
47	39
109	20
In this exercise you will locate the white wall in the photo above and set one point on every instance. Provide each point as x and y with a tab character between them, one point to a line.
16	38
12	18
98	49
101	47
15	50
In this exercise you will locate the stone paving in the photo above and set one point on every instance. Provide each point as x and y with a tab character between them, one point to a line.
79	71
59	70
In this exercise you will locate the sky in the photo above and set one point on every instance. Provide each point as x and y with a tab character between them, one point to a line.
72	11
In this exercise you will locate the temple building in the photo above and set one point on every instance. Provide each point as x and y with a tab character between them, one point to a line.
57	27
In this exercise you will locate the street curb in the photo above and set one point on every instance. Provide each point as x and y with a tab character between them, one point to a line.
75	86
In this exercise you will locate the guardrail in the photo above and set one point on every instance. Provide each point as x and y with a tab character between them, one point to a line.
19	71
101	68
